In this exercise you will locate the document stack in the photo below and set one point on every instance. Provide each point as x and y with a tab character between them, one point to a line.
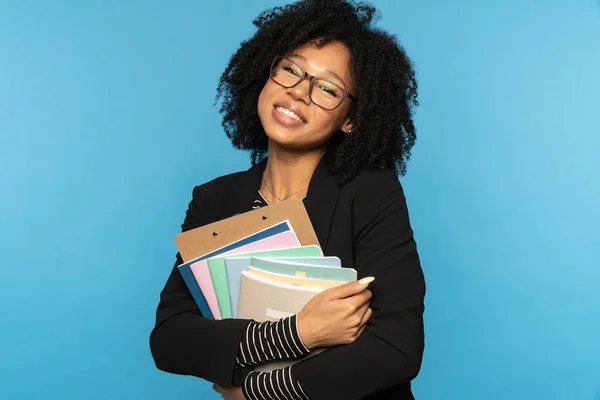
264	264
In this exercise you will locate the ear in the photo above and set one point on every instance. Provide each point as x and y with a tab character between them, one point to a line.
348	126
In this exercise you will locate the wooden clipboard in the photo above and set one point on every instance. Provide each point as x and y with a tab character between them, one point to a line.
205	239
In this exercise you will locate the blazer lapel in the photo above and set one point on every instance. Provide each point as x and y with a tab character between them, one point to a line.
320	201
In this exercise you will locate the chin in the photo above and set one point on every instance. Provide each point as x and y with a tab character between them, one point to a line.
290	144
291	138
283	140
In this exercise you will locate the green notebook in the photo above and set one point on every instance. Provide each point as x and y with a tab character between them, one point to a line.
218	273
323	271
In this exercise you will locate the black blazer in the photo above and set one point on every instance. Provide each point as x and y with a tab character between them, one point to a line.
366	224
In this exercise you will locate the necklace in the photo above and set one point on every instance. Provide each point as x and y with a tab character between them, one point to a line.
286	197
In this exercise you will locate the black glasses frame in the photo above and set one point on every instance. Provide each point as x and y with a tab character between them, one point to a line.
311	78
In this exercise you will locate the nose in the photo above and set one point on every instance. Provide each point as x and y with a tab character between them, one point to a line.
301	91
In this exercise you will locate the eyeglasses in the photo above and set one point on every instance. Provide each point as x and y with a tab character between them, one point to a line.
322	92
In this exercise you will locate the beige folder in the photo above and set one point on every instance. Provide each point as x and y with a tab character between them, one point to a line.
322	284
262	299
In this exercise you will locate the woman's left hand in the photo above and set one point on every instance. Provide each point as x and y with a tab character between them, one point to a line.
232	393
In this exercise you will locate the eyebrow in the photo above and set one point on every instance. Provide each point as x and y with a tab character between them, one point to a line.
328	72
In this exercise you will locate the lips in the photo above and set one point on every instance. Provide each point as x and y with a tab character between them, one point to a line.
292	108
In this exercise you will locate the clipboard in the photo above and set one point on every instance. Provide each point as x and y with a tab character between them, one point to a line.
205	239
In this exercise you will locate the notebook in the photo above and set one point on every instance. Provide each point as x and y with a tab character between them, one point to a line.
218	272
235	265
277	300
321	284
202	274
299	269
186	271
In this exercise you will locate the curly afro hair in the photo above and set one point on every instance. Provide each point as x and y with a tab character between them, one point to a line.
386	87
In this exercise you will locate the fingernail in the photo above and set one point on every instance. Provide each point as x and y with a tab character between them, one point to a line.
367	280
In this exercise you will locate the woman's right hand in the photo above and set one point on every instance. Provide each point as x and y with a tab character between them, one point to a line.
335	316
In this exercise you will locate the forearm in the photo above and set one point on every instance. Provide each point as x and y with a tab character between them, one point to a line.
266	342
270	341
189	344
184	342
277	384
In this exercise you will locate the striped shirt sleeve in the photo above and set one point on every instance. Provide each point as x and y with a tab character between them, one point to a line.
270	341
276	384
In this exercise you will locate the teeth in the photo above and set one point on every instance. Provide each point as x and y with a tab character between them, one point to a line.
289	113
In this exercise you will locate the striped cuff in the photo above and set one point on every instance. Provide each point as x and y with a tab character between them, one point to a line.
270	341
277	384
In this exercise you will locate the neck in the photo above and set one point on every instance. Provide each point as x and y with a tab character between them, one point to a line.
288	173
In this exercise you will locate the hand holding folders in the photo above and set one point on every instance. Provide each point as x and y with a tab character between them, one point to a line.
337	316
266	264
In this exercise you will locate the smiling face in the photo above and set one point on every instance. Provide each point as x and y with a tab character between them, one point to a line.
289	117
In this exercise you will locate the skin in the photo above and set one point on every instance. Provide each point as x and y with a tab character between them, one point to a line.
295	151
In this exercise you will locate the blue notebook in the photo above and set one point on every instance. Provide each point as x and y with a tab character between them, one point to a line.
235	265
190	280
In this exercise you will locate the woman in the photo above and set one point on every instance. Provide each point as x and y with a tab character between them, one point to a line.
324	102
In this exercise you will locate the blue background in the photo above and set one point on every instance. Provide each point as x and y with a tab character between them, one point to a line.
107	122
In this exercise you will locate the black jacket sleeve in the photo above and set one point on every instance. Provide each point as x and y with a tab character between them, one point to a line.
183	341
389	352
